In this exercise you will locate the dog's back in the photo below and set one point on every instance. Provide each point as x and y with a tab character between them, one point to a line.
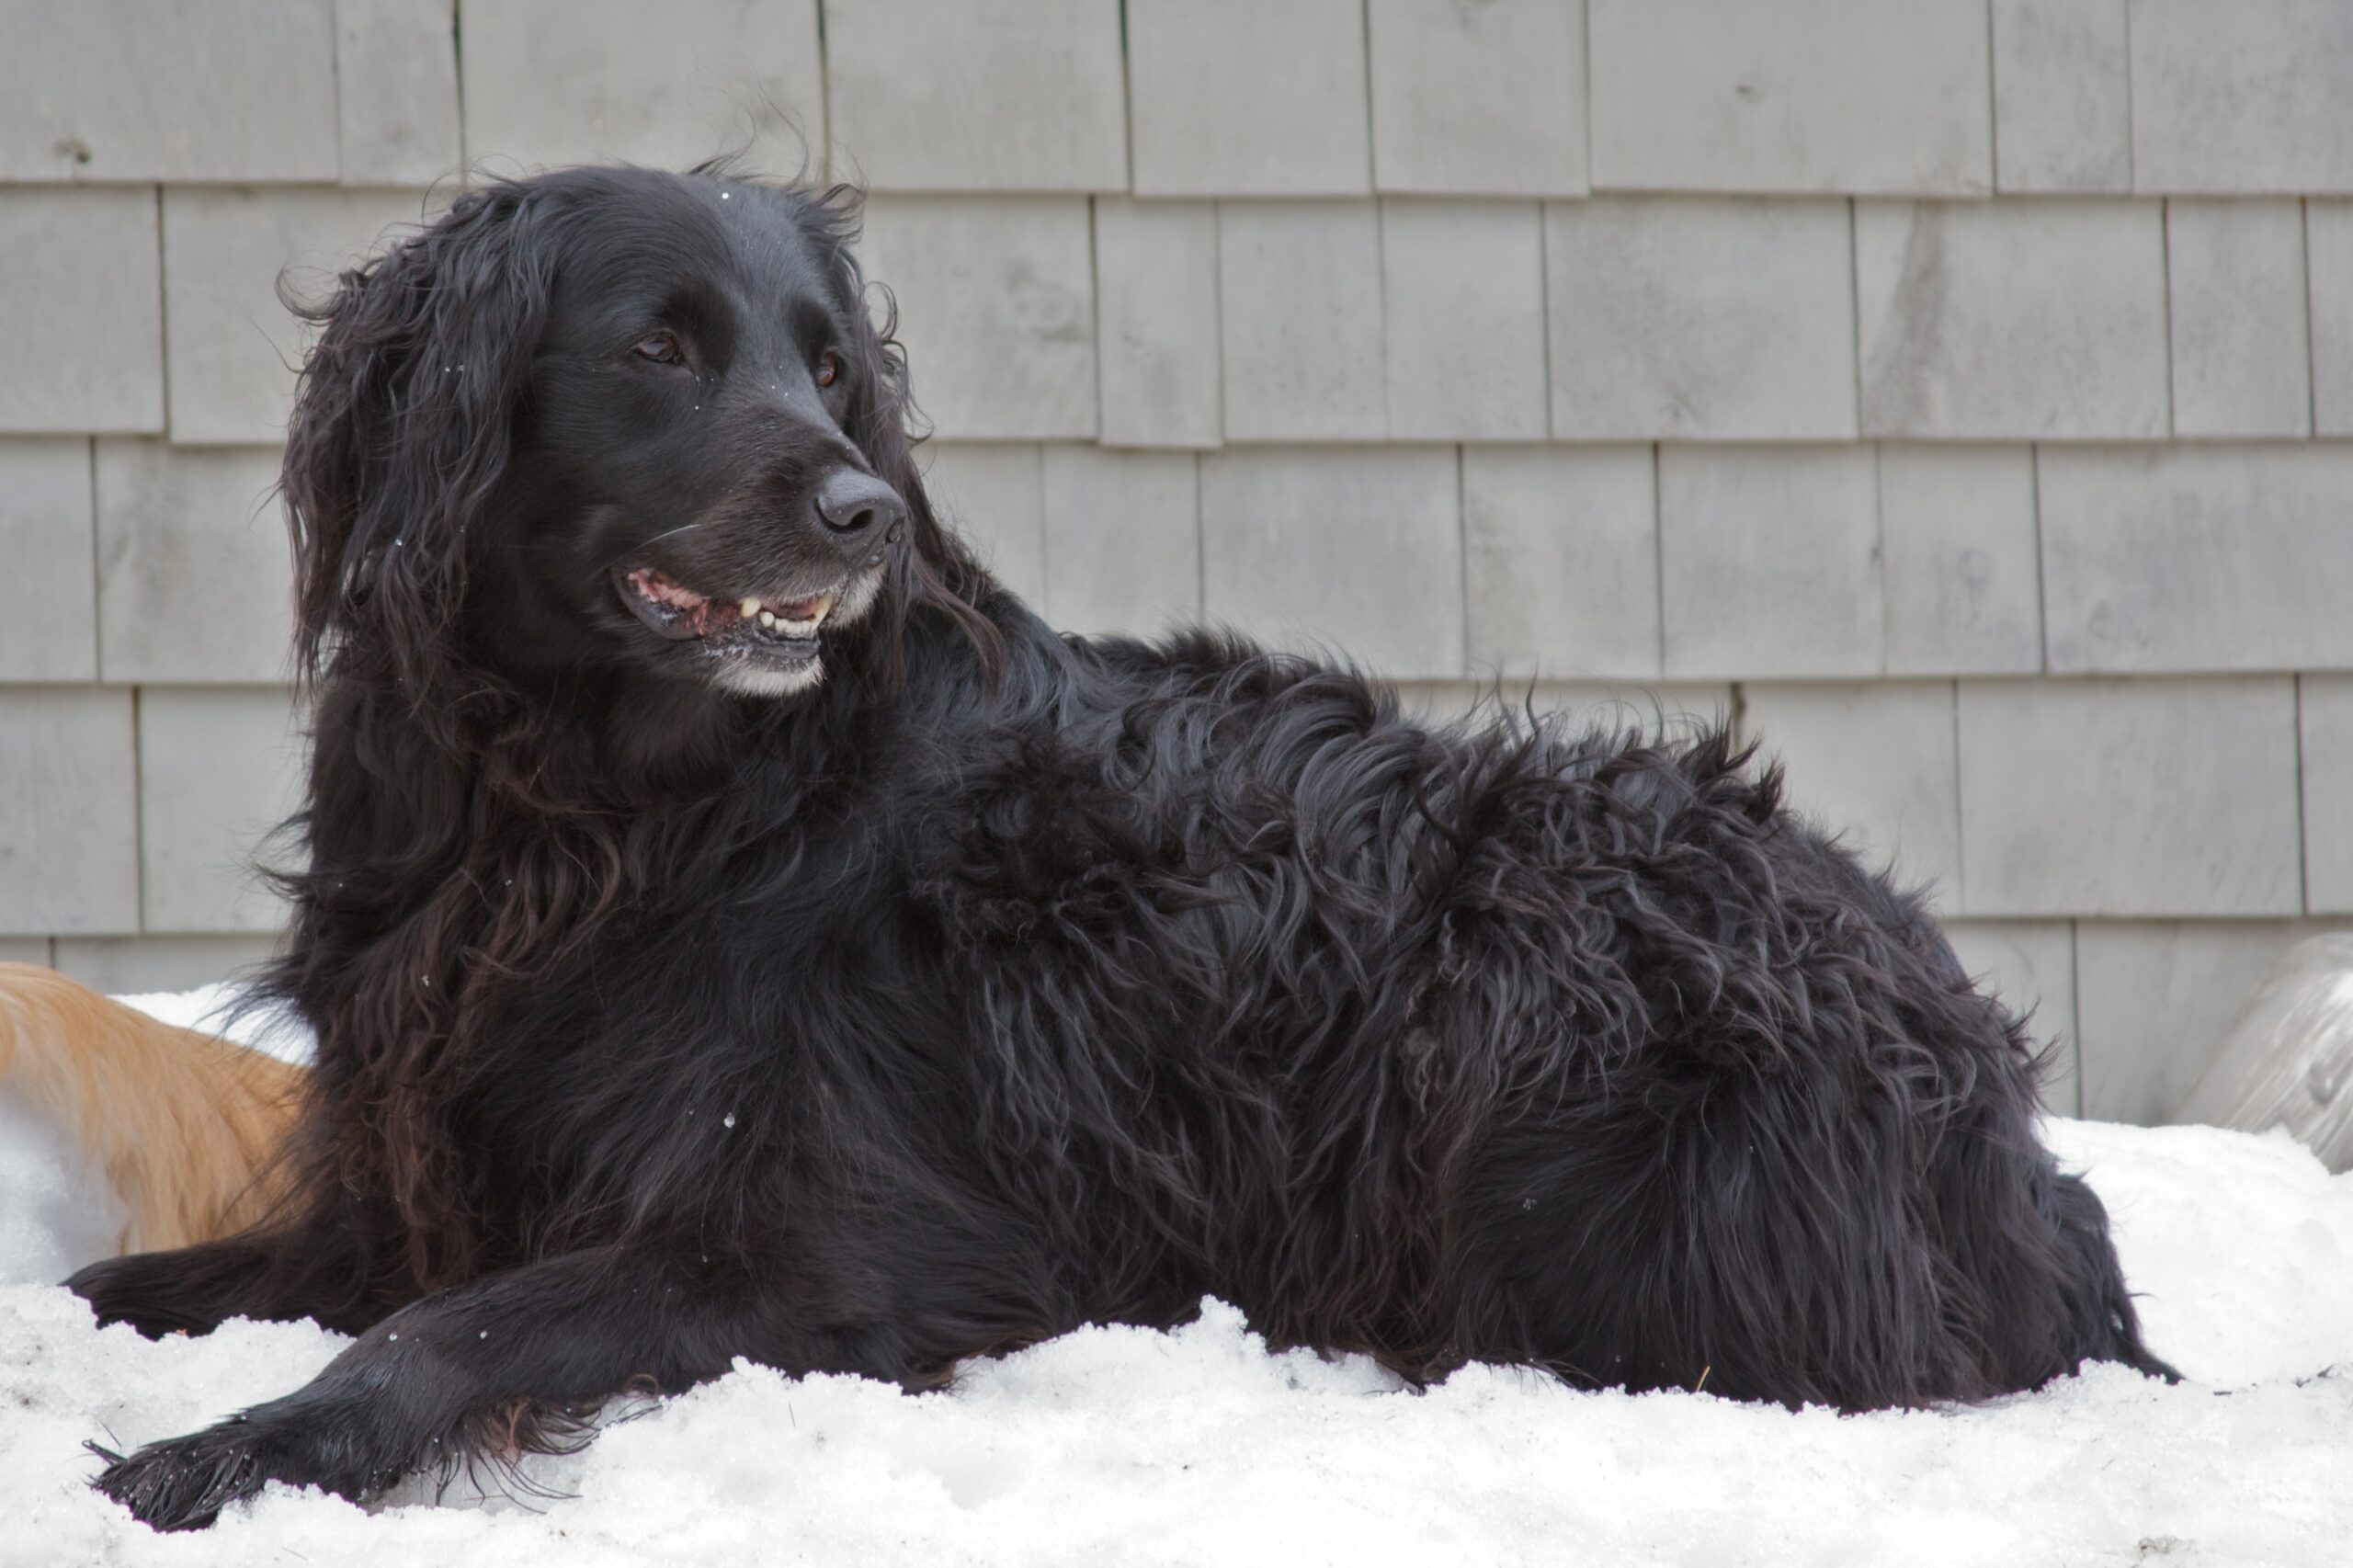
182	1123
1506	1042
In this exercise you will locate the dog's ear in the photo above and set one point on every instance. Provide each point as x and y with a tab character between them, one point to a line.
401	423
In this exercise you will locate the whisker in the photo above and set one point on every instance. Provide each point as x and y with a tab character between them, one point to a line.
670	533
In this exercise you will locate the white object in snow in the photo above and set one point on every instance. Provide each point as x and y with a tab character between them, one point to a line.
2290	1060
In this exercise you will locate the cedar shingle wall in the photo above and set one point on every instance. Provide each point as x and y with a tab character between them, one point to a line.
1954	391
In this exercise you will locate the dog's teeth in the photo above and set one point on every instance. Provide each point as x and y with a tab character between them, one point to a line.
767	619
824	607
750	609
800	628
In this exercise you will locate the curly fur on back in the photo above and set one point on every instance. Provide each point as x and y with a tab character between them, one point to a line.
1011	981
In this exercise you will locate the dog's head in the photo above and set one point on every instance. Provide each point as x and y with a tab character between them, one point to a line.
614	420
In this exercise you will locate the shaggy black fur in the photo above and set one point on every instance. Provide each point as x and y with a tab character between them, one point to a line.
672	1007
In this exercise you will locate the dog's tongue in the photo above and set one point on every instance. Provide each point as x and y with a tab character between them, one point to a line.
679	610
808	608
662	591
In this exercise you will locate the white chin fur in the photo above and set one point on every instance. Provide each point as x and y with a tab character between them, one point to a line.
765	681
856	599
761	680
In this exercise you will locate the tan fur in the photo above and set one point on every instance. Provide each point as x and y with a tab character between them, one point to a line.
183	1123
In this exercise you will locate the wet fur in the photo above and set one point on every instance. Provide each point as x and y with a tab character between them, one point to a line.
1008	981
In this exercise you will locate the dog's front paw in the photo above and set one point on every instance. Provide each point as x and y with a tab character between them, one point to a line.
130	1289
191	1290
182	1484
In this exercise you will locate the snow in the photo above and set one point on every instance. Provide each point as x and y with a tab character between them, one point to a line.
58	1212
213	1008
1117	1446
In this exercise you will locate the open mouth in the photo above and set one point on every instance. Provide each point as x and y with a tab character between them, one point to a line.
780	627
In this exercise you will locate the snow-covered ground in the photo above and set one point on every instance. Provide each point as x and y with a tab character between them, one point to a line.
1115	1446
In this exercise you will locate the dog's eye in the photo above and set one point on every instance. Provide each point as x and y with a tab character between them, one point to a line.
829	368
662	347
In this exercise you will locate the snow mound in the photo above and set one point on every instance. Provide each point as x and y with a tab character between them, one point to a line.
1119	1446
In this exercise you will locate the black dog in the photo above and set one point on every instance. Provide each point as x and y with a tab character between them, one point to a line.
733	926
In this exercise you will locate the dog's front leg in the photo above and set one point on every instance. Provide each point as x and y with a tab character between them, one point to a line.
503	1362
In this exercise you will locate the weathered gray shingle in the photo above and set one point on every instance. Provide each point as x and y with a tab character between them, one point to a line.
554	82
1240	97
81	309
195	583
1769	561
1874	96
978	95
2129	797
132	90
69	854
2012	320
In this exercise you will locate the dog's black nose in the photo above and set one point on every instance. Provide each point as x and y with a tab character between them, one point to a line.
855	506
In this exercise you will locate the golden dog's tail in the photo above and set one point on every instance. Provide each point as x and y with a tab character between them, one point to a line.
184	1124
